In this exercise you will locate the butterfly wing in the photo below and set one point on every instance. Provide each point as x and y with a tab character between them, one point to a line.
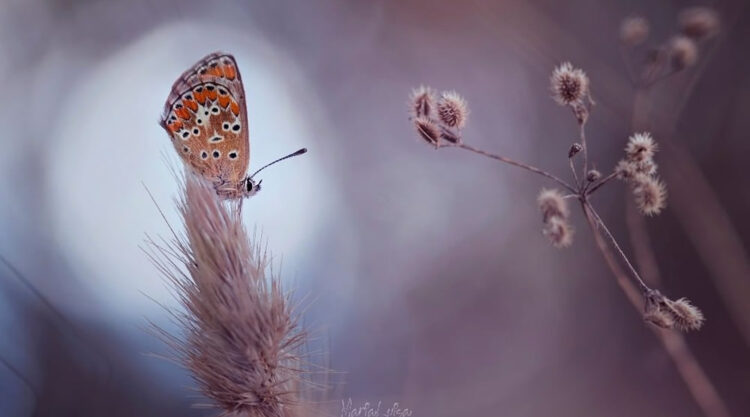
206	119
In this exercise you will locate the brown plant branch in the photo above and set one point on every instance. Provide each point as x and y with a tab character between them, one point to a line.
512	162
695	378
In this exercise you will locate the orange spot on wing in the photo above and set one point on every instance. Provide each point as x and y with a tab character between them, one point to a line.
216	71
183	113
224	101
229	72
192	105
200	96
175	126
211	94
235	108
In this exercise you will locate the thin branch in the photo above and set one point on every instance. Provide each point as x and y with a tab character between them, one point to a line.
514	163
694	377
585	152
588	207
573	169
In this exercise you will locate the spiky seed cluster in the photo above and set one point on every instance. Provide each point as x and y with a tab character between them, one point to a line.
634	30
668	314
569	85
640	148
438	121
639	170
428	130
555	217
242	337
683	52
699	23
650	194
452	110
422	102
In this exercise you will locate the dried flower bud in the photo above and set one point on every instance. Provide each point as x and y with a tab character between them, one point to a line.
422	102
559	232
659	318
650	194
448	135
683	52
574	149
552	204
593	175
641	147
686	316
634	30
428	130
569	85
699	22
452	109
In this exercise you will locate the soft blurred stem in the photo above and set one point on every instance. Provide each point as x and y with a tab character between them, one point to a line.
692	374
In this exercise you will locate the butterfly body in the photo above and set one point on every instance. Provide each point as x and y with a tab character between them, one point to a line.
206	119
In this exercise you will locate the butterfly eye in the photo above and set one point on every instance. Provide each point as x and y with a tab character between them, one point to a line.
196	131
214	110
199	89
222	91
236	127
225	126
216	154
185	134
188	97
204	155
216	139
232	155
185	149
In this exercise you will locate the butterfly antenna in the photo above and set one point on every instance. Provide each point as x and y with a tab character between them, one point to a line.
299	152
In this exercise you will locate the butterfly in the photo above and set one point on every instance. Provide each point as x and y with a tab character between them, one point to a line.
206	118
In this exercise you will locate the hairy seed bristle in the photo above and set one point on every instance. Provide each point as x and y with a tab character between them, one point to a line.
569	85
641	147
422	102
559	232
242	339
452	110
552	204
650	194
686	316
428	130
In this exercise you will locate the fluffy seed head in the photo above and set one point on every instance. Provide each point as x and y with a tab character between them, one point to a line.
686	316
593	175
241	335
659	318
650	194
452	109
683	52
559	232
552	204
422	102
699	22
569	85
428	130
641	147
634	30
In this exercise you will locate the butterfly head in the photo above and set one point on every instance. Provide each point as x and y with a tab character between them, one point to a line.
251	187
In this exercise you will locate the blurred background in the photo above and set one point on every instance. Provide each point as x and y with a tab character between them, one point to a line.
432	285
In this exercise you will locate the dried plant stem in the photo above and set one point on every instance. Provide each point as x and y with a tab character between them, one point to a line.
573	170
512	162
696	380
585	150
590	209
